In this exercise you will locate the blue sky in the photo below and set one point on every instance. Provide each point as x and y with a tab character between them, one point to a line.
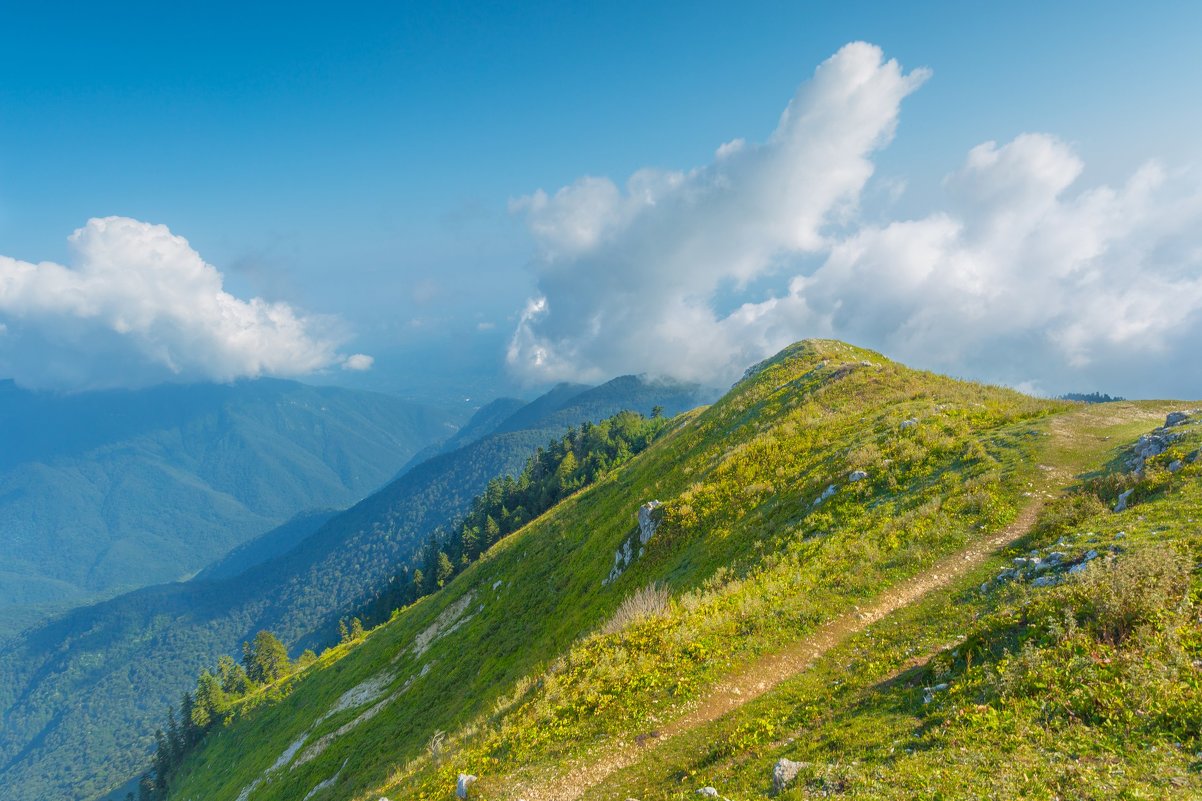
362	163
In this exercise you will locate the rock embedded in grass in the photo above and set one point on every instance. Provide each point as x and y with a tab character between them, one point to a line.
784	772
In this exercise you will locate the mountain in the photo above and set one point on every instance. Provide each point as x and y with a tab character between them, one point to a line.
79	695
106	491
845	577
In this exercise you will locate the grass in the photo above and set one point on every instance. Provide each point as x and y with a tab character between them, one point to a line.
529	684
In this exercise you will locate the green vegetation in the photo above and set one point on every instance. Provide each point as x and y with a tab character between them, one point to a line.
1088	688
828	481
81	695
108	491
566	465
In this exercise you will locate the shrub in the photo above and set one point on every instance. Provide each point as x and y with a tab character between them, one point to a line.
651	601
1115	597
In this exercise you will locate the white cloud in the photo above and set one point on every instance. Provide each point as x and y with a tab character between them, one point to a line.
358	362
139	305
1022	277
627	276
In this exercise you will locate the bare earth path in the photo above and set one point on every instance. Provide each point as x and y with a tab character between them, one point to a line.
765	673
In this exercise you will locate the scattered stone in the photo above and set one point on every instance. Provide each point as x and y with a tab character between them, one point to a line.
1121	506
1176	419
1078	568
785	772
826	493
928	693
1193	457
1045	581
1175	465
908	423
708	792
1057	556
1120	535
1090	555
857	475
496	585
465	781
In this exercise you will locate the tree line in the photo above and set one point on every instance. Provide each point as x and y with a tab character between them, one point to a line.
567	464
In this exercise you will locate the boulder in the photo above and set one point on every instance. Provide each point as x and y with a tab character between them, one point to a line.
857	475
1175	465
1045	581
1176	419
465	781
708	792
785	772
908	424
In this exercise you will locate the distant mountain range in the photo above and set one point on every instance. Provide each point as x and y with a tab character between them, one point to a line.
79	695
108	491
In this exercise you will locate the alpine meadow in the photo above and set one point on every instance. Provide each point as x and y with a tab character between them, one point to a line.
673	401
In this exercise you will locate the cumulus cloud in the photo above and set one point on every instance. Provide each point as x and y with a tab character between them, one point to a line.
137	305
1021	277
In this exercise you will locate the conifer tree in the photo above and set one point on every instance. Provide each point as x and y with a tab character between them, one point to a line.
266	660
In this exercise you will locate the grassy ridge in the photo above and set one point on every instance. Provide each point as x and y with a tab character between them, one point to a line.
1086	689
751	555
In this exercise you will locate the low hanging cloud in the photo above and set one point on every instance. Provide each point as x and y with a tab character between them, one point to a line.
1021	278
138	305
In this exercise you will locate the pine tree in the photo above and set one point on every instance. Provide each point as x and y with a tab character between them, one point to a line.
209	703
267	660
175	738
146	788
234	681
445	569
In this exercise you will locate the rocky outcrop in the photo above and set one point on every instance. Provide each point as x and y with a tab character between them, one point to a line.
648	523
1177	418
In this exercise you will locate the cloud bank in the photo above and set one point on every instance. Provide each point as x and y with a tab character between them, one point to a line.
1021	278
139	305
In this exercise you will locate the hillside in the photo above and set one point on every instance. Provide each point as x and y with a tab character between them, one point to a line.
106	491
842	574
130	657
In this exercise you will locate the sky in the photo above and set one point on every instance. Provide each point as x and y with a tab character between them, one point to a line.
451	199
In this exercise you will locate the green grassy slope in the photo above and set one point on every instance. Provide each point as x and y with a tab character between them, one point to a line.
80	695
1087	688
514	664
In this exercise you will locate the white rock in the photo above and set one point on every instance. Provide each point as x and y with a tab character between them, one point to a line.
1122	502
857	475
708	792
826	493
647	522
785	772
465	781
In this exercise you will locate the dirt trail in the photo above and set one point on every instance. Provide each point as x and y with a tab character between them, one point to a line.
767	672
770	670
